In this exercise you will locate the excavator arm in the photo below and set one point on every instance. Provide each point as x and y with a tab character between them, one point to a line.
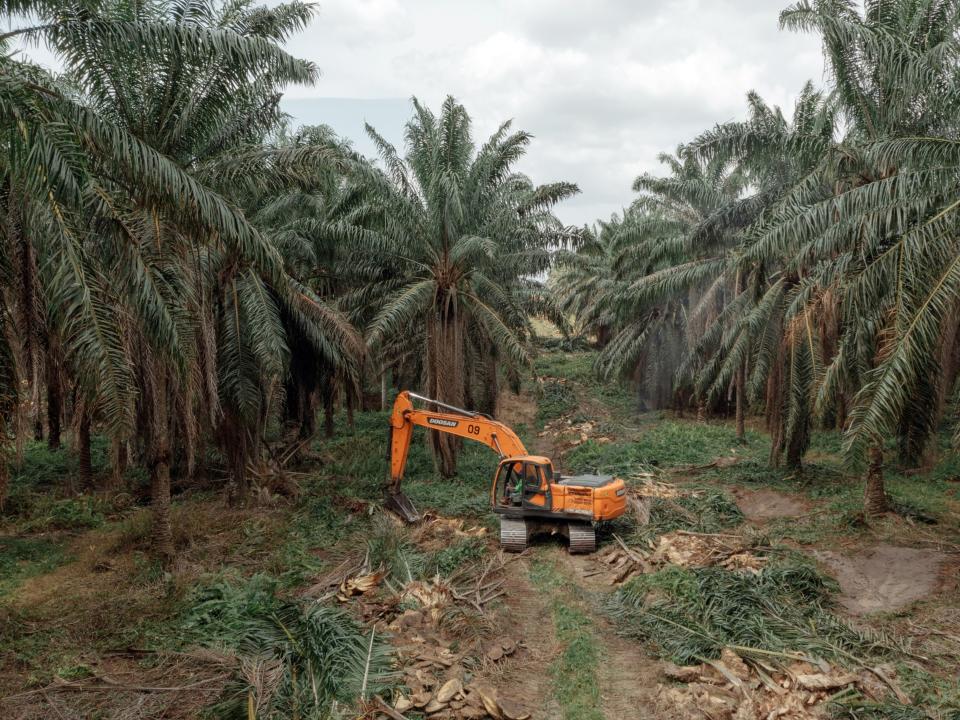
447	419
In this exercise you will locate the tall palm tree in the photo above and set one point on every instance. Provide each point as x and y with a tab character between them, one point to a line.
663	291
456	232
881	240
117	190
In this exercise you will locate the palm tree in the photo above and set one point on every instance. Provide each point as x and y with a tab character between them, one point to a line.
120	207
663	289
452	233
881	239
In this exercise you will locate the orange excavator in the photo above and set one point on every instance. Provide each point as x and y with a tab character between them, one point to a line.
527	493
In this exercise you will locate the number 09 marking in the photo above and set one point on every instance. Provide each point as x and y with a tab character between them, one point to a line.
473	429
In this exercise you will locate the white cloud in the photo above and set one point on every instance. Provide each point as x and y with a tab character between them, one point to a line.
603	86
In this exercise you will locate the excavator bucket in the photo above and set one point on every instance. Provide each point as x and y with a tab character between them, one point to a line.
400	504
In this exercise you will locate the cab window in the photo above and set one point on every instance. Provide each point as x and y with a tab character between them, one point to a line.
533	476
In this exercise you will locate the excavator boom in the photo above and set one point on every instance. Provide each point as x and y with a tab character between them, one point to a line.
448	419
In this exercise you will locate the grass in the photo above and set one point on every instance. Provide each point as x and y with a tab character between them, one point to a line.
688	615
358	467
577	367
556	399
24	557
316	653
142	605
574	671
665	444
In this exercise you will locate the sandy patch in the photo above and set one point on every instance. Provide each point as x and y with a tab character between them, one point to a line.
883	577
764	504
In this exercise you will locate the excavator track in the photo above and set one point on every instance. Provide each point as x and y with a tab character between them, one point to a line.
582	537
513	535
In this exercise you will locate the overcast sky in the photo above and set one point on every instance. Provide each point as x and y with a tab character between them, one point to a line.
603	85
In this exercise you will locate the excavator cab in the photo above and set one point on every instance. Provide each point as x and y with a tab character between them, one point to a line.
524	482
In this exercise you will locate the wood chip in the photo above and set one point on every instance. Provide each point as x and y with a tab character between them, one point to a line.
489	697
434	706
511	711
825	681
449	690
495	653
682	674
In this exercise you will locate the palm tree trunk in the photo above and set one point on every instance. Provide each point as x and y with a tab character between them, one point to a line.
120	459
490	386
741	402
875	497
158	462
328	410
445	377
384	385
701	411
797	447
54	404
740	379
83	446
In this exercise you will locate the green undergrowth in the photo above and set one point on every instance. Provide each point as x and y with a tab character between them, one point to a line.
665	444
578	367
38	496
389	547
24	557
574	672
357	466
316	653
689	615
555	399
919	497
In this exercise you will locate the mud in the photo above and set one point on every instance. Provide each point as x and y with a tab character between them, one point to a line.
763	505
883	578
528	683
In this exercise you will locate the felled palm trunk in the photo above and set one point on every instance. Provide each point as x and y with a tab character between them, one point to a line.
875	495
445	374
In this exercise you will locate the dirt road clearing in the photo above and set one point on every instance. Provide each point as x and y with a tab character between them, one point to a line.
882	578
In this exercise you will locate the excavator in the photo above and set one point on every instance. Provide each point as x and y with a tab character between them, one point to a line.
528	494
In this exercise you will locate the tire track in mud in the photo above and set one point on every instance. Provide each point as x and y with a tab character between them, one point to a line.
530	682
629	677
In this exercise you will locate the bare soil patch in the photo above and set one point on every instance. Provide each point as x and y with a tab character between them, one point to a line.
125	686
882	578
765	504
513	409
629	677
526	680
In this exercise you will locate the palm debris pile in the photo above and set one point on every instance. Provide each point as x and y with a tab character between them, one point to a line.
423	618
684	549
568	434
435	531
440	683
731	689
